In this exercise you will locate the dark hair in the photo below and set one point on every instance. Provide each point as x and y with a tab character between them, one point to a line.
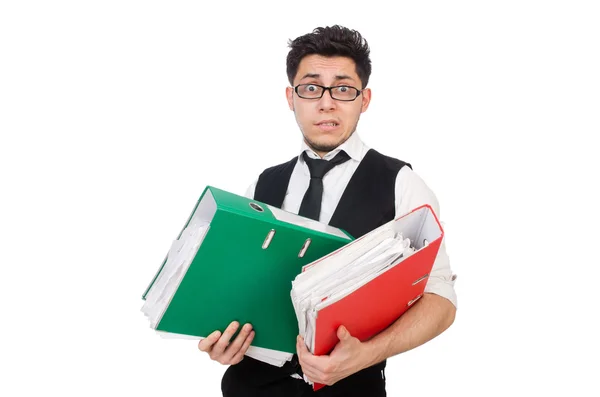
331	41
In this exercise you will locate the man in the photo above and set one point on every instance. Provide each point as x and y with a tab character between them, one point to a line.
337	180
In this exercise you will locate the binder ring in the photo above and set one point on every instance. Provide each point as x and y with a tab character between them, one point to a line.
256	207
417	281
304	248
414	300
268	239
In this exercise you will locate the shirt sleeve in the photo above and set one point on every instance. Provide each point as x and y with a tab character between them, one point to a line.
250	191
411	192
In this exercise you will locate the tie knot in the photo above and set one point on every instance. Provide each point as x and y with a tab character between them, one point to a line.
318	167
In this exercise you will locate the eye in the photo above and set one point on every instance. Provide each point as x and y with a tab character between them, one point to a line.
343	88
311	88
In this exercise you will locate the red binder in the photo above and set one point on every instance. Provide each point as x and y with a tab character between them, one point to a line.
376	305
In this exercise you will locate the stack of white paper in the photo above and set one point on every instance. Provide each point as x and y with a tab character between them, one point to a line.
328	280
180	256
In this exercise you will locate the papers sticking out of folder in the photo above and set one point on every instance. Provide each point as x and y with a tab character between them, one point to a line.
367	284
179	258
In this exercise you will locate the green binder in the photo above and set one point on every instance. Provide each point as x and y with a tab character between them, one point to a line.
235	259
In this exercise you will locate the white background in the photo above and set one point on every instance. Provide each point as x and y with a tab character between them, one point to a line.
114	115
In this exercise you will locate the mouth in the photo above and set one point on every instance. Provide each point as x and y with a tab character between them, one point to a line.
327	125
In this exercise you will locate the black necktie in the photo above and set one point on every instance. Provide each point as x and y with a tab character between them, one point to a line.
311	203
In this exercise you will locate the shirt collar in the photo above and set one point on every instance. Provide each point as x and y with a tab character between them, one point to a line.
354	146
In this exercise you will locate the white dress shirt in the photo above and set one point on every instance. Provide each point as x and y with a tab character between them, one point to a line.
411	192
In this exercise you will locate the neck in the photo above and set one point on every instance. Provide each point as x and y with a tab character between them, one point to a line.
322	152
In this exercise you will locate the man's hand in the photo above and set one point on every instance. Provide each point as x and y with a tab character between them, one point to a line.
219	349
348	357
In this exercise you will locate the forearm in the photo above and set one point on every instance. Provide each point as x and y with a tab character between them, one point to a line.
430	316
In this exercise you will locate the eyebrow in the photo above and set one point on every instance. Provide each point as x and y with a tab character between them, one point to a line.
316	76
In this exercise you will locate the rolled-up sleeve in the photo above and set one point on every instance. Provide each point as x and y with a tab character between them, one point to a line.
412	192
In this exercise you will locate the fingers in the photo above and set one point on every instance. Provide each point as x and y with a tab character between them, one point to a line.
207	343
301	345
311	375
223	341
239	356
305	356
314	367
237	344
219	347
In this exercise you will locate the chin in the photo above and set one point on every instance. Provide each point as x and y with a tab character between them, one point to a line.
325	144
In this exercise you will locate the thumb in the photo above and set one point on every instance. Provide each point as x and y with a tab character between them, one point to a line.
343	333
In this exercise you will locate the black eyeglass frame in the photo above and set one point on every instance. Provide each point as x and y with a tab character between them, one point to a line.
358	92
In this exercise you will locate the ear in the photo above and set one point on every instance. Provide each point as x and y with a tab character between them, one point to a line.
289	93
366	99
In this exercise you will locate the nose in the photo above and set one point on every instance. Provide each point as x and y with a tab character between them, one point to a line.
327	103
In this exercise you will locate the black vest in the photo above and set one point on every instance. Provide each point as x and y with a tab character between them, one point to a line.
367	203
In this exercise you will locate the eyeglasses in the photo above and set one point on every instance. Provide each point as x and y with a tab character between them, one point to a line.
315	91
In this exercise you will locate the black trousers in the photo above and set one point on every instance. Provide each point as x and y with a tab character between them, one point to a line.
253	378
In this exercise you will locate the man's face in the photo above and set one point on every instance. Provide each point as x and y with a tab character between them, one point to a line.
326	123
